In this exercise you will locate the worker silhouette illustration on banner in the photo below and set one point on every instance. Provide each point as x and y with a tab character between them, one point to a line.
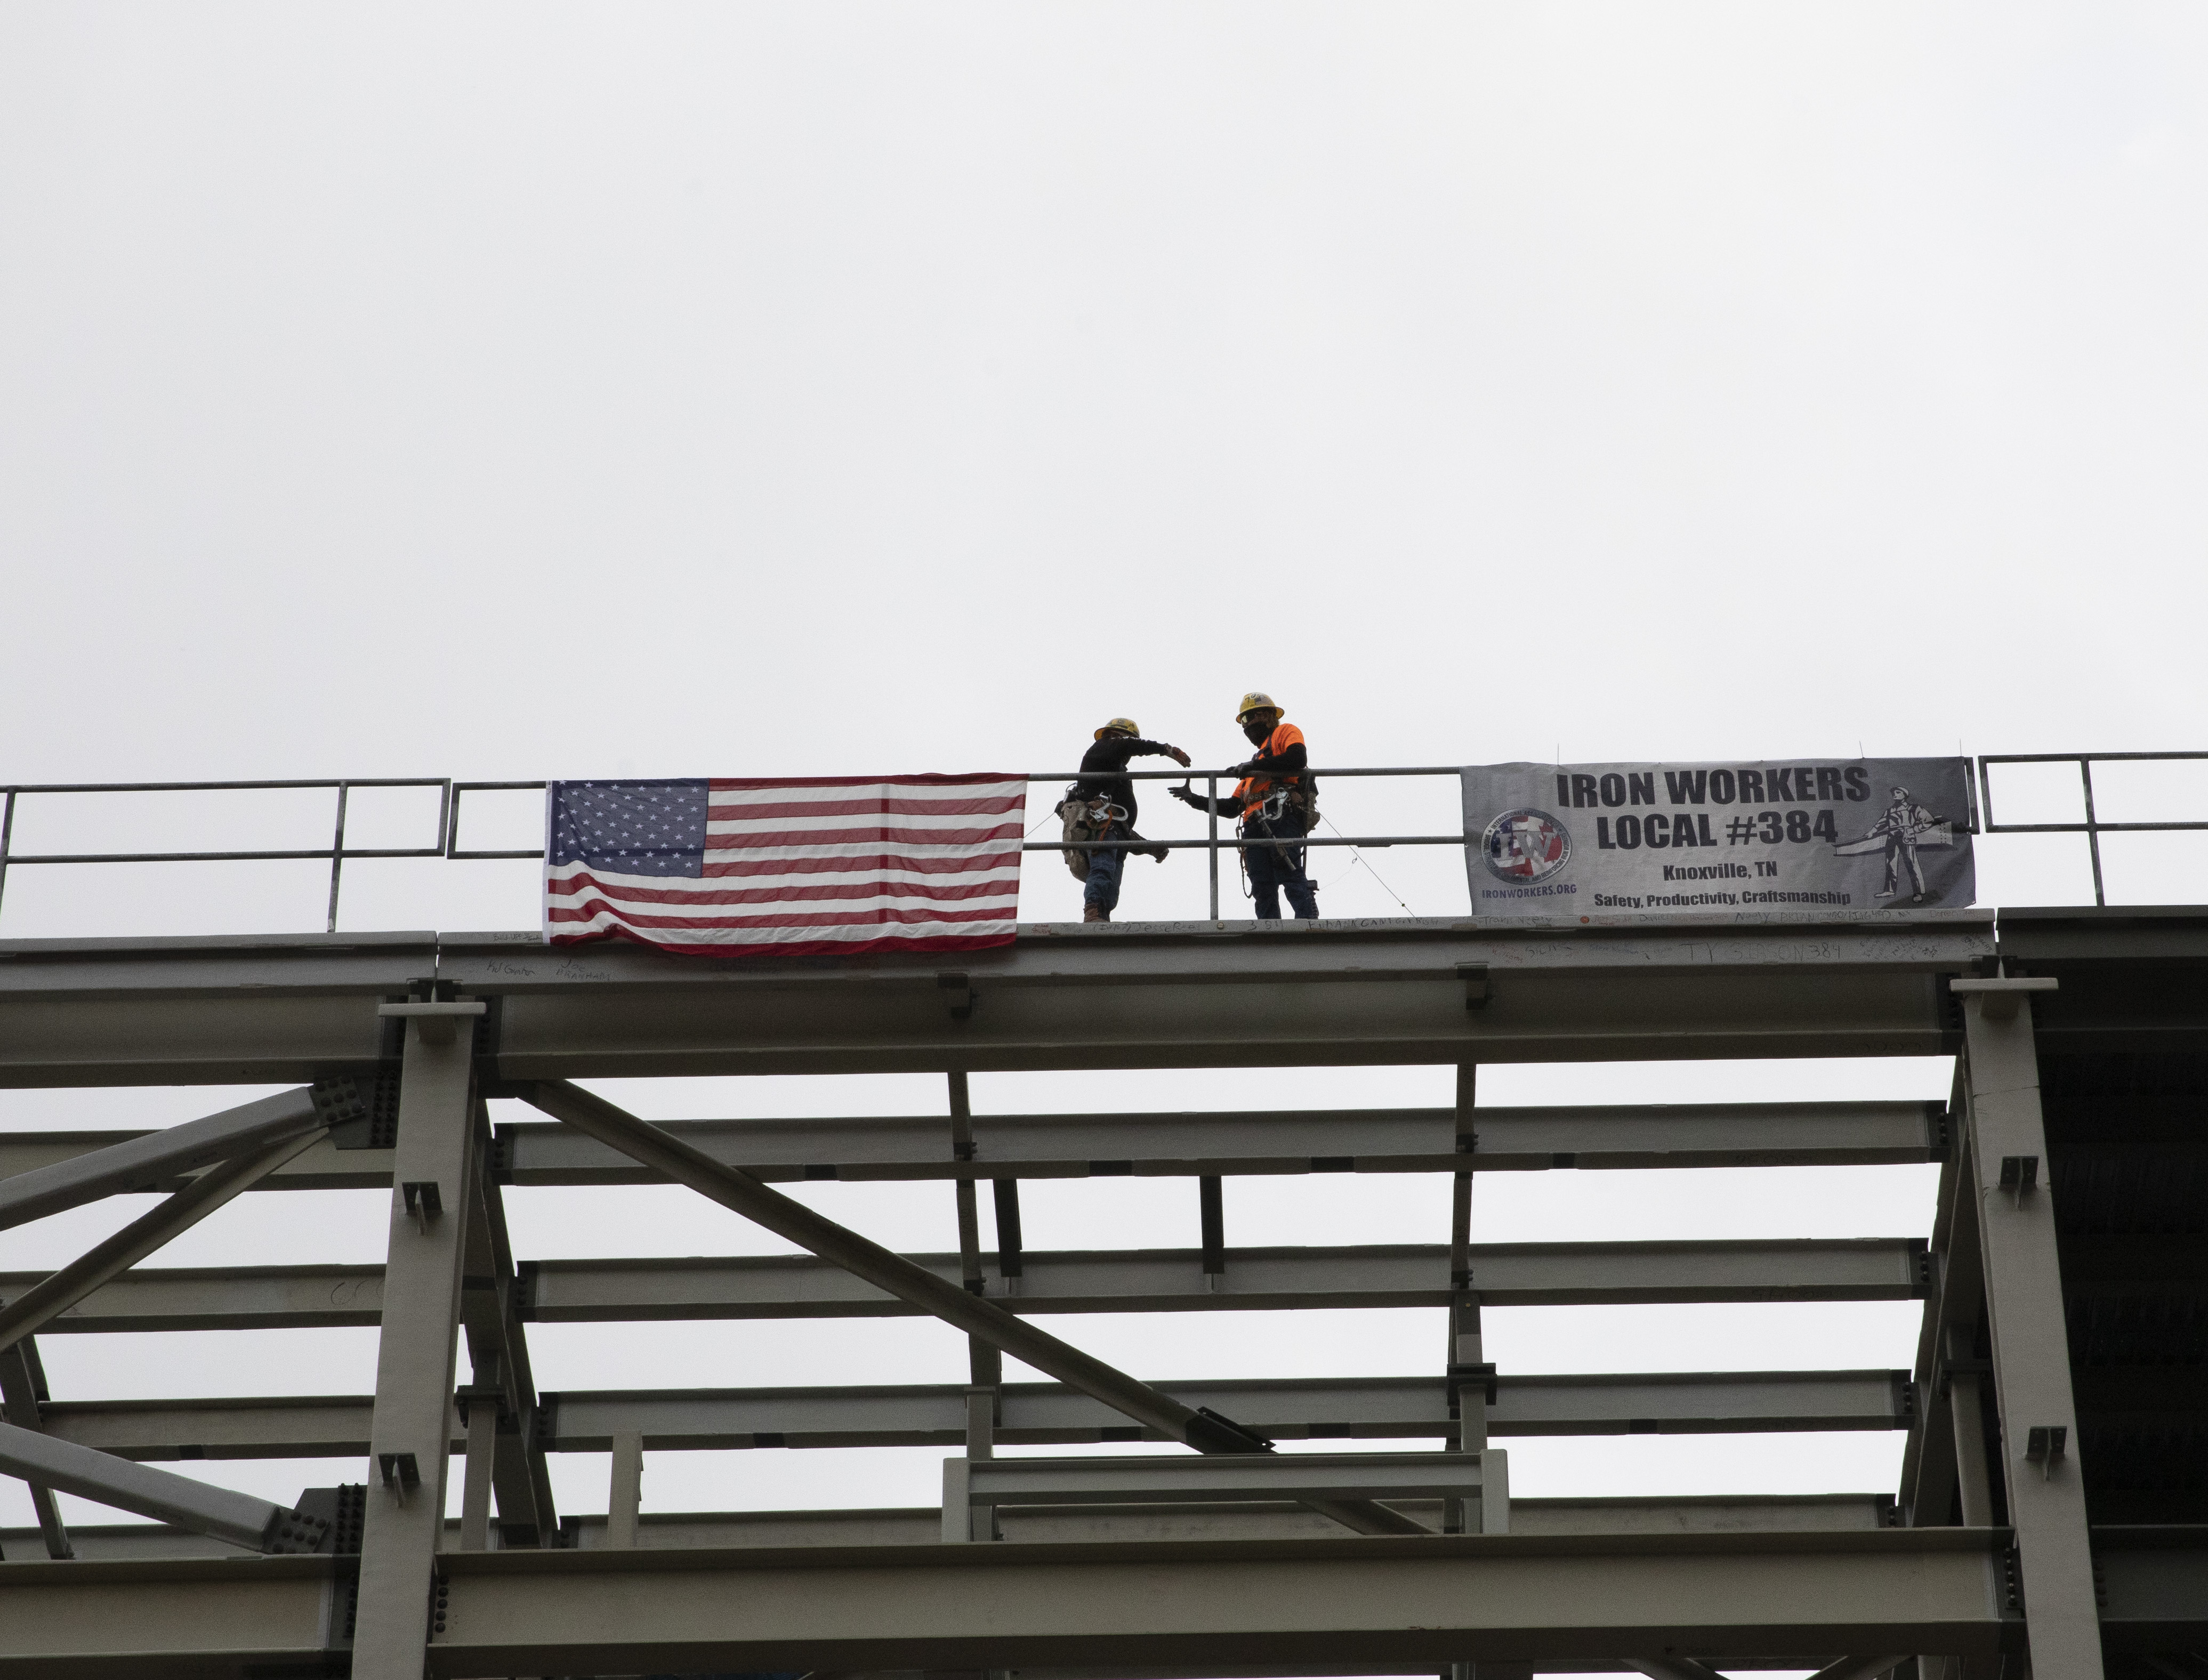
1901	829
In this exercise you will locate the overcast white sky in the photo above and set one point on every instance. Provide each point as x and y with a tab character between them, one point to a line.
507	392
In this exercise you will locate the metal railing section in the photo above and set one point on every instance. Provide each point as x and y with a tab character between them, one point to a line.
337	851
452	792
452	795
2092	828
1212	843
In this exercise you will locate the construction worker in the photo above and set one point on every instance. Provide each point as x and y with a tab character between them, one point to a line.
1109	806
1274	801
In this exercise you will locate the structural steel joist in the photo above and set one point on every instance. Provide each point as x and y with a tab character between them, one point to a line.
1032	1413
1056	1146
1104	1281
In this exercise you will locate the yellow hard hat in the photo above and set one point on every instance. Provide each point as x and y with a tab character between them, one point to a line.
1254	701
1127	724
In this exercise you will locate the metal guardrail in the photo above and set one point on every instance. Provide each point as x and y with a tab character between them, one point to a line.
2092	828
450	793
337	851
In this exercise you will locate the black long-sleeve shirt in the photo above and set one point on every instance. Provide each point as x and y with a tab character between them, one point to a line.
1280	764
1297	757
1111	754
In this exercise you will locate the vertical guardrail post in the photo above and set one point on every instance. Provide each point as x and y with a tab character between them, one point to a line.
7	829
337	856
1211	848
2092	825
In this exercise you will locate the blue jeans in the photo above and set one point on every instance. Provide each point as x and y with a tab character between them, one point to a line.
1104	871
1277	869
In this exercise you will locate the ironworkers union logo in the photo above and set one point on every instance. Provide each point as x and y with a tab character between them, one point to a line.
1525	846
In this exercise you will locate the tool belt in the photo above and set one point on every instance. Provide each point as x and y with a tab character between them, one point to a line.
1297	802
1085	820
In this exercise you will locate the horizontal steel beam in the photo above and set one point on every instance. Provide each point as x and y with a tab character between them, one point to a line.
1326	1408
1060	1146
1304	1606
1203	994
1186	1478
1417	1602
2155	1586
1034	1413
234	1010
1823	1513
1376	1140
1138	995
1124	1281
1845	1513
1172	1279
167	1619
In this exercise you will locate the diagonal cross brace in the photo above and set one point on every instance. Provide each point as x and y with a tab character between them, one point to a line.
107	1260
22	1386
740	1192
89	1474
142	1162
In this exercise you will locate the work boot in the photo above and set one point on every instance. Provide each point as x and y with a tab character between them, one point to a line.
1094	913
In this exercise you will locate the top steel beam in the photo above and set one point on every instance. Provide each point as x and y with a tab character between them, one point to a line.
2130	977
236	1011
1172	994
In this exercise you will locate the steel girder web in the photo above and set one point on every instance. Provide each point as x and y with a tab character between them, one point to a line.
940	1297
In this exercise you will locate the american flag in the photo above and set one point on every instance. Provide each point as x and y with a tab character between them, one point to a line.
805	866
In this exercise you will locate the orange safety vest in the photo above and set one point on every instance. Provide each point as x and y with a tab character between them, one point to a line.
1251	789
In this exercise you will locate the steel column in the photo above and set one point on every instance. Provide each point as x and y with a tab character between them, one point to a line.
625	1489
479	1410
417	1351
498	1354
2032	1354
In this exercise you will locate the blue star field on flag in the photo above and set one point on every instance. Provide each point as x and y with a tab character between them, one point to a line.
632	828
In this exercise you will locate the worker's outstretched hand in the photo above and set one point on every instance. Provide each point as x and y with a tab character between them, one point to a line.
1178	756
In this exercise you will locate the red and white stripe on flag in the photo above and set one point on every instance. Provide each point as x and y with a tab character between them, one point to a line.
801	866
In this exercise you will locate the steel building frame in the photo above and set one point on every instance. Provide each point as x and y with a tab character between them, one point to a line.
2035	1525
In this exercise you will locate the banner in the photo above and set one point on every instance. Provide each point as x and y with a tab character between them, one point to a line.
1851	834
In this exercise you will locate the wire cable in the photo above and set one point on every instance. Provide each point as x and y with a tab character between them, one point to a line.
1357	856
